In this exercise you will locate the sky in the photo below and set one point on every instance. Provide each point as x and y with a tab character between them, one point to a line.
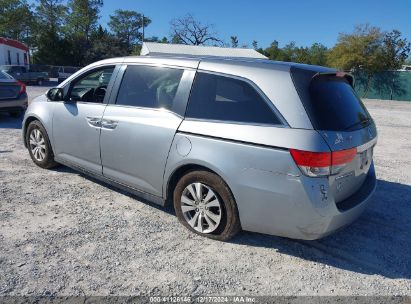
302	21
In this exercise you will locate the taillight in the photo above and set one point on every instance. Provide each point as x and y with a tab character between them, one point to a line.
322	163
22	87
339	159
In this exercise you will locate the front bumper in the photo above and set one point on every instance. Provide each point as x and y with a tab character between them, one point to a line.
293	212
14	105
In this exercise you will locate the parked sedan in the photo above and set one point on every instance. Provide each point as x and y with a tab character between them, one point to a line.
13	96
278	148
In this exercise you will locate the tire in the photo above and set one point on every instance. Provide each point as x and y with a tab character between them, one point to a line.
15	114
45	157
40	82
224	219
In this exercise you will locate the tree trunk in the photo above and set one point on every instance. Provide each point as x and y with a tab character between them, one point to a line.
367	86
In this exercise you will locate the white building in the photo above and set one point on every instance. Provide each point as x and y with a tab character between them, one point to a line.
13	52
152	48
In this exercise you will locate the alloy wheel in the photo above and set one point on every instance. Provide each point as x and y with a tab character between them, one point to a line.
201	207
37	145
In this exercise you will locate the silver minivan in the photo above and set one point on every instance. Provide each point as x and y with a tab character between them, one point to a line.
278	148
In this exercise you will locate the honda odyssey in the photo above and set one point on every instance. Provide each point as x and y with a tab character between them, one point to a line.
278	148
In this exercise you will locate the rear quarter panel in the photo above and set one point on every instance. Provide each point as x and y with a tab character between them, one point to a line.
264	180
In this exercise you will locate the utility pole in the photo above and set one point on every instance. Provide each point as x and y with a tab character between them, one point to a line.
142	25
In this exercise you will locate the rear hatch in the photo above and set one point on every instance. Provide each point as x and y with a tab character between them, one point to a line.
343	121
9	89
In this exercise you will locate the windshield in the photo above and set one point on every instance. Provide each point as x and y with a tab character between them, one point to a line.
330	101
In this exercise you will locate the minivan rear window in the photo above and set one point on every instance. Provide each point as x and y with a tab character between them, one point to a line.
330	101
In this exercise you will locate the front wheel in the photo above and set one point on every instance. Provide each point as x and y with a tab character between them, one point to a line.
39	146
204	204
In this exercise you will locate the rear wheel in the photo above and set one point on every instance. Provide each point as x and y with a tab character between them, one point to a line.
39	146
40	82
204	204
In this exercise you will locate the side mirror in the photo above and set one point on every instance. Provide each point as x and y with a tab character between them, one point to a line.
55	94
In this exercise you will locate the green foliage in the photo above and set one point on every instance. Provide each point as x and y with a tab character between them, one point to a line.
316	54
395	50
82	17
234	41
367	52
50	15
126	24
15	19
157	39
358	50
255	44
100	40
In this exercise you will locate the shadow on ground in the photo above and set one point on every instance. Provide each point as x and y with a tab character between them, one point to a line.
378	243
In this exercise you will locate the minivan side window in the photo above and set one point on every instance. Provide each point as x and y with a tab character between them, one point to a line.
224	98
149	86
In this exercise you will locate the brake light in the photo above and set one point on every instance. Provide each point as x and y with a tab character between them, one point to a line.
342	157
317	164
22	87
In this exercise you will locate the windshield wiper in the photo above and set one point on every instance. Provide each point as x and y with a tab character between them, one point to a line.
363	122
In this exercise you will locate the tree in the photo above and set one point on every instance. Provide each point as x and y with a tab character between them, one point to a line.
104	45
274	52
50	15
187	30
83	16
157	39
15	19
126	24
317	54
234	41
255	44
369	51
48	39
395	50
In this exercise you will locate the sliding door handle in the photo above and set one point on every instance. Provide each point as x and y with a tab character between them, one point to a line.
109	124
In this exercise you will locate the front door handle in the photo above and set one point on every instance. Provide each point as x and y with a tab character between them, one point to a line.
109	124
94	121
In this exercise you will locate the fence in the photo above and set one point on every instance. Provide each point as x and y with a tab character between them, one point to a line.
393	85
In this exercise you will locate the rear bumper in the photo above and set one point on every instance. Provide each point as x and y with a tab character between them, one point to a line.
299	210
354	207
12	105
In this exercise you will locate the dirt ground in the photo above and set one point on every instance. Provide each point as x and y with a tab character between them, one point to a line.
62	233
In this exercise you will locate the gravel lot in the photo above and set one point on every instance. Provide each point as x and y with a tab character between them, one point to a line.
62	233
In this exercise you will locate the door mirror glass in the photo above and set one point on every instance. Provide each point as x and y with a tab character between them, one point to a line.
55	94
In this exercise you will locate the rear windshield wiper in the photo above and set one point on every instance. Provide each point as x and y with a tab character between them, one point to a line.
364	122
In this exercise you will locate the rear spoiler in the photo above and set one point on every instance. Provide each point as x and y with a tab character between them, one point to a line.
347	76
